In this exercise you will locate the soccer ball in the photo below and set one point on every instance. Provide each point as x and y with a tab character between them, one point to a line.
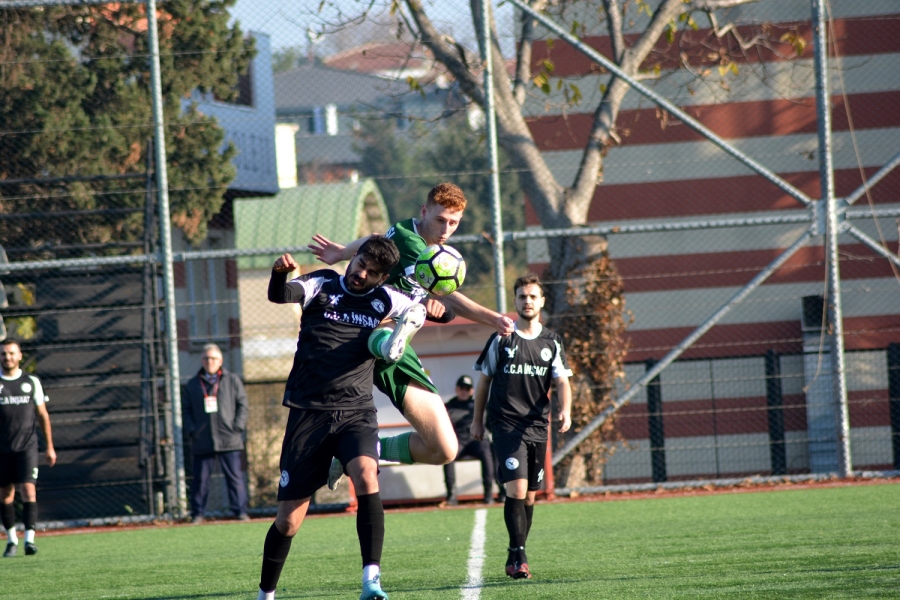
440	269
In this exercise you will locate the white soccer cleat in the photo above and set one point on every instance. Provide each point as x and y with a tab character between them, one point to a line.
335	474
407	325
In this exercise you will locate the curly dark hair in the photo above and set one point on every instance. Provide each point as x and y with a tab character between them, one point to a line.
381	252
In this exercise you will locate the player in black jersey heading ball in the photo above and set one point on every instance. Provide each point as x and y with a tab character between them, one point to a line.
22	409
329	393
517	373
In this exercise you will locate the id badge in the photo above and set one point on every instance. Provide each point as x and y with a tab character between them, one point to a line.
210	404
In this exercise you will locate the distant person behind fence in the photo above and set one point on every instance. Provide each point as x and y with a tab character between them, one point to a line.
460	408
215	417
22	408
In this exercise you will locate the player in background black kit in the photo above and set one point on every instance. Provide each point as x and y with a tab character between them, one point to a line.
517	373
329	393
22	409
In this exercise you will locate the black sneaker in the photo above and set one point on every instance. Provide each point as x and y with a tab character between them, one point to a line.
30	549
11	550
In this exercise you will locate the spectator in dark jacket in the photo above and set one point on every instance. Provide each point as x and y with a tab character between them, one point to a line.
460	409
215	416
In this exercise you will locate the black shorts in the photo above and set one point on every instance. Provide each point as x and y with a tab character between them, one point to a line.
312	437
19	467
520	459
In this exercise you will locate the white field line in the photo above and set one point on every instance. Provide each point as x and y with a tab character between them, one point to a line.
474	581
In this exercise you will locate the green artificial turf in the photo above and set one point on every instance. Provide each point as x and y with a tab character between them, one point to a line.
806	543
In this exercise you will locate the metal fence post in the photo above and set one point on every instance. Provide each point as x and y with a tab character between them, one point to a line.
487	50
165	231
826	178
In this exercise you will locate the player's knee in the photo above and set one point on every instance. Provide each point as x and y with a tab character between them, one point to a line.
287	525
363	473
447	451
365	482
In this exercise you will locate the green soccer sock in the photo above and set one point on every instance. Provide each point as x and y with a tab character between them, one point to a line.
396	448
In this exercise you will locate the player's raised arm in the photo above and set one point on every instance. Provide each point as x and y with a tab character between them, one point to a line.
331	252
279	290
469	309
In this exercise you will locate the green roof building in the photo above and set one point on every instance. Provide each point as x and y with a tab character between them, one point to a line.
342	212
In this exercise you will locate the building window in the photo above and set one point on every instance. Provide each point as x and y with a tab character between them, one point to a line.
324	120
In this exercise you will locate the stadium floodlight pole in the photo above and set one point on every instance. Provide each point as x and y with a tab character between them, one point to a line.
832	231
663	102
487	53
680	348
165	232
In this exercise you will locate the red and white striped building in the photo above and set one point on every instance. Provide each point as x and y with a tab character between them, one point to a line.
714	398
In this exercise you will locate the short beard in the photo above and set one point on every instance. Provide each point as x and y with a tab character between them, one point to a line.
537	315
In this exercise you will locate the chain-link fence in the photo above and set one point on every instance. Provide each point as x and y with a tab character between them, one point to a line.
657	162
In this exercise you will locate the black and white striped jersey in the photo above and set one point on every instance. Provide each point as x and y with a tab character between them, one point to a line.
18	420
523	370
333	366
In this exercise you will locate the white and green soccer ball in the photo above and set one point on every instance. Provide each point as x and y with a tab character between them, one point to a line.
440	269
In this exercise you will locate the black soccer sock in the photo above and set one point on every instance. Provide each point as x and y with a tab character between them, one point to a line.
516	522
29	514
370	528
8	513
529	515
275	552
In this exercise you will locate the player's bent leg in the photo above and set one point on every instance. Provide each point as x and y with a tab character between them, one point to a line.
389	344
433	442
278	544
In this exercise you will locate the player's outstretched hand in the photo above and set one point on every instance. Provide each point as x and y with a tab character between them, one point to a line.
504	325
285	264
435	308
326	250
565	422
477	430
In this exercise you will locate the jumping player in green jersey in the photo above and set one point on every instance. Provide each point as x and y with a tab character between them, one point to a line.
405	381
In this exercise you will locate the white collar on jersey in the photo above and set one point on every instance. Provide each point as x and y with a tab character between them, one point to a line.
538	328
16	375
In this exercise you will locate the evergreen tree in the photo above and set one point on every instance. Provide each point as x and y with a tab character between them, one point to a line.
75	101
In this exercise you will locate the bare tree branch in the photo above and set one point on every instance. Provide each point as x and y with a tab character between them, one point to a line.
718	4
590	169
523	53
616	31
445	52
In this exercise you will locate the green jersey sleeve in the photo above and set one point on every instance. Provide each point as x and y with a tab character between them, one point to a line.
410	244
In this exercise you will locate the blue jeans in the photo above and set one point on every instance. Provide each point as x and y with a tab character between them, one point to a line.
234	480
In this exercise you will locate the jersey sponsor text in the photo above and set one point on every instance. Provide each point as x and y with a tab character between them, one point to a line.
525	369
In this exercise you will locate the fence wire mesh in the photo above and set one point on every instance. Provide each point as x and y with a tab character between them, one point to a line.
284	120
